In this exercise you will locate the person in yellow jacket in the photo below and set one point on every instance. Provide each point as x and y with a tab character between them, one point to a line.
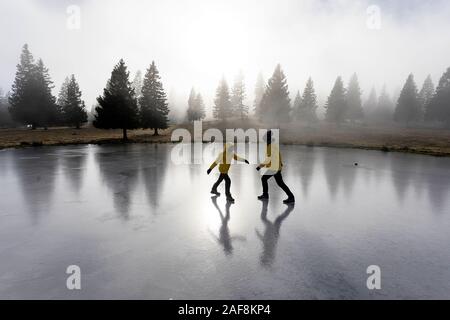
224	161
272	168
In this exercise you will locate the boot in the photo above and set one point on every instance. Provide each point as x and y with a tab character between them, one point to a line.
215	192
230	198
264	196
289	200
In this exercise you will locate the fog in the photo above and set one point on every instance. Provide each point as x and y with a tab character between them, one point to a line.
195	43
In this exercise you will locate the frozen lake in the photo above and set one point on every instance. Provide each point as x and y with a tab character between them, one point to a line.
140	226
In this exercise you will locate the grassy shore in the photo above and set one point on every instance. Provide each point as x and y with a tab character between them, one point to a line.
422	141
13	138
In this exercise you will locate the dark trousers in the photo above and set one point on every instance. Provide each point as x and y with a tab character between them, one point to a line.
223	176
280	182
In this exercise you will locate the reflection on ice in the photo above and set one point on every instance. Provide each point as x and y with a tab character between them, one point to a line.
140	226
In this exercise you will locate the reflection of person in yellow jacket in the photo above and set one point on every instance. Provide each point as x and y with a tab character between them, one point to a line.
272	167
224	161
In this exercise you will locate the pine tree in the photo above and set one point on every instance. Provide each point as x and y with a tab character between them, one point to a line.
21	99
371	103
259	93
137	84
5	118
196	107
276	104
62	96
45	101
118	106
296	107
425	96
408	105
73	108
31	100
337	103
439	107
354	109
238	97
382	114
62	100
308	104
191	114
200	107
222	109
154	107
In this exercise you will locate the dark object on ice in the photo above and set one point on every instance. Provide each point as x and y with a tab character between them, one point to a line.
356	163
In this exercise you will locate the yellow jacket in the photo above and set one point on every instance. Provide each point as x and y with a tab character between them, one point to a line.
224	159
273	161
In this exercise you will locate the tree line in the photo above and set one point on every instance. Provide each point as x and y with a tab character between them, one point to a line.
123	105
272	103
142	103
32	103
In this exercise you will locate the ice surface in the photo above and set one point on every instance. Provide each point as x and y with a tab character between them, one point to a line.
140	226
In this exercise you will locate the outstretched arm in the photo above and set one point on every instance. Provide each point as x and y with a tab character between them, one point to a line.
237	158
265	163
273	157
212	166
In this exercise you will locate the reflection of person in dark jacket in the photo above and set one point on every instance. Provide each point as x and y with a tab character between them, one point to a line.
224	161
272	168
271	233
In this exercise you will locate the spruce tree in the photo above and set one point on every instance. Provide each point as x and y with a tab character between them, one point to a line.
439	107
382	114
238	96
371	103
22	107
222	109
408	105
259	93
200	107
5	118
72	106
191	111
337	103
296	107
31	100
308	104
62	100
45	101
425	96
62	96
276	104
137	84
154	107
354	109
117	107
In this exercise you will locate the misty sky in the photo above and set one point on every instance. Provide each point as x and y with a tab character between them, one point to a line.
195	42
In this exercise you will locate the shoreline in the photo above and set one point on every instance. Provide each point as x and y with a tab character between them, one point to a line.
400	149
414	141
